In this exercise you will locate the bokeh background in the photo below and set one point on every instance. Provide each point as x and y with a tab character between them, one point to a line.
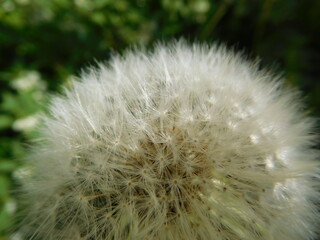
44	44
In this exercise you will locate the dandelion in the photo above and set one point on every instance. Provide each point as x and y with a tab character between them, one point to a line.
26	124
27	81
184	142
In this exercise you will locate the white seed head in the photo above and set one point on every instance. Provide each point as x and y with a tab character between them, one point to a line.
184	142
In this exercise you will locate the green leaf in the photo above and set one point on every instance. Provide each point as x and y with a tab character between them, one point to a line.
10	102
4	187
5	121
5	221
7	166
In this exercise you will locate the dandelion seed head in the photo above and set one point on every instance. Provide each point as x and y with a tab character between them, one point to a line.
185	142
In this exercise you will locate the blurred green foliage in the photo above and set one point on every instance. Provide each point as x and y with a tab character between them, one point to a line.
44	43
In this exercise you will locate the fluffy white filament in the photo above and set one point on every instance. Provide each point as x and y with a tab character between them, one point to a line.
187	142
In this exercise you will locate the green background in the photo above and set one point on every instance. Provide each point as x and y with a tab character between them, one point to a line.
45	43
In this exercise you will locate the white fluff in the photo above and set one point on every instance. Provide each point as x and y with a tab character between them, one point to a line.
185	142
